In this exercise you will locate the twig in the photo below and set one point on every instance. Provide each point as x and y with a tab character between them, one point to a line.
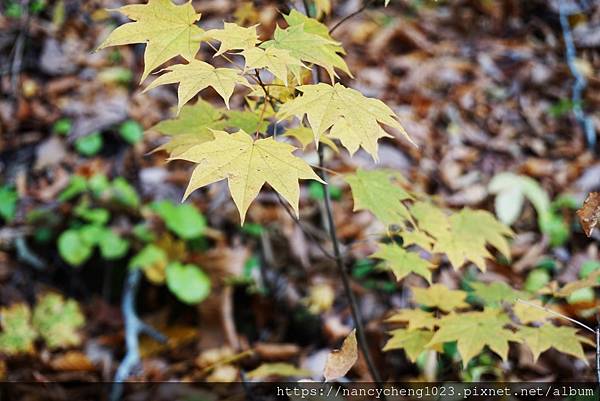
586	123
577	322
133	328
356	315
598	354
351	15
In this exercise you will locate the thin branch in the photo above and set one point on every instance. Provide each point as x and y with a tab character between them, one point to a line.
133	328
586	123
356	315
577	322
351	15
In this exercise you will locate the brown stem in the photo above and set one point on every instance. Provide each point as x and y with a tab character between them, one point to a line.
352	15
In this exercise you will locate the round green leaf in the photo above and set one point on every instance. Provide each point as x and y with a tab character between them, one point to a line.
131	131
189	284
73	248
184	220
89	145
112	245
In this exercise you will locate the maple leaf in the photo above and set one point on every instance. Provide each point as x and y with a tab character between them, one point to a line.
192	127
416	318
305	137
418	238
168	30
353	118
309	47
562	338
234	37
474	330
441	297
58	320
17	334
247	120
196	76
277	61
373	191
464	235
493	294
530	314
402	262
413	342
310	25
248	165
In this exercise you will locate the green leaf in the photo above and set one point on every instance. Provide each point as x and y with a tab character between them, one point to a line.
416	319
62	126
112	245
188	282
402	262
131	131
373	191
73	248
247	121
17	334
143	232
493	294
150	255
98	184
96	216
77	186
58	321
197	119
536	280
89	145
184	219
123	193
8	203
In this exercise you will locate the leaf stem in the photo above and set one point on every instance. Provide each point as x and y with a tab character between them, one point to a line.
577	322
351	15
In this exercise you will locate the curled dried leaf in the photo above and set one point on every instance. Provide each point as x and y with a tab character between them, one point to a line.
339	362
589	214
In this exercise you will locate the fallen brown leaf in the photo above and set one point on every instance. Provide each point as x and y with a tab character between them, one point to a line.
589	214
339	362
72	361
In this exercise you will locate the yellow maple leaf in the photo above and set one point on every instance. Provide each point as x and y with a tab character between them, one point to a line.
277	61
564	339
353	118
309	47
305	137
168	30
233	37
441	297
402	263
248	165
474	330
416	319
413	342
196	76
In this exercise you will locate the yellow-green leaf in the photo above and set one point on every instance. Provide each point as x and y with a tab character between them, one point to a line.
493	294
416	319
402	263
168	30
309	47
305	137
562	338
196	76
248	165
17	335
530	314
441	297
373	191
418	238
353	118
474	330
234	37
413	342
247	120
278	61
58	321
